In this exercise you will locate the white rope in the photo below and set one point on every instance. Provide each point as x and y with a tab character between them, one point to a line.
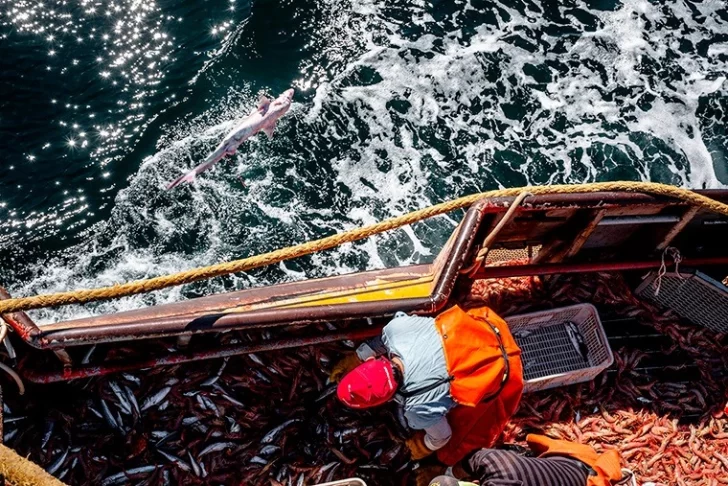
676	257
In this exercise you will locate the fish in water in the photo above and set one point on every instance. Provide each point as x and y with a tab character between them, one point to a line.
262	119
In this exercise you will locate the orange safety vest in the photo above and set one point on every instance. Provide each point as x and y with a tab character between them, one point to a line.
486	378
607	465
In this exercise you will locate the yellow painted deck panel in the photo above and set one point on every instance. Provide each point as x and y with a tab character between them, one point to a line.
379	291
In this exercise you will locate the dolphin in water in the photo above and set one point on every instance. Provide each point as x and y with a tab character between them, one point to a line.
262	119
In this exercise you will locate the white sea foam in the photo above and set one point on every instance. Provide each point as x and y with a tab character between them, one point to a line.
407	118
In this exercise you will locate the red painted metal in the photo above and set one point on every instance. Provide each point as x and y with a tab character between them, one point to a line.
205	314
19	321
554	268
174	326
68	374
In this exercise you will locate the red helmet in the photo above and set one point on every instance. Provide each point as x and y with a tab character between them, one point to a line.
370	384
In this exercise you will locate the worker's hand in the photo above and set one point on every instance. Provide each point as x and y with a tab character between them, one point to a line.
417	447
344	366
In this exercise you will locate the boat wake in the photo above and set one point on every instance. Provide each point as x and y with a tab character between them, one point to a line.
403	105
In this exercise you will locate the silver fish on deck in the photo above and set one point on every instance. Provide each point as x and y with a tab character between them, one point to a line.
217	447
50	425
255	359
10	420
131	378
234	427
121	398
268	450
156	398
207	404
258	460
95	412
175	460
124	476
195	467
211	381
108	416
231	400
262	119
271	435
190	420
56	465
87	357
132	400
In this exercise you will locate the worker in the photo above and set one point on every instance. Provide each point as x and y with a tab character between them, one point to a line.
558	463
458	377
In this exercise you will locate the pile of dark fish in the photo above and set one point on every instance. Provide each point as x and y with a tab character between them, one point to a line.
272	419
268	419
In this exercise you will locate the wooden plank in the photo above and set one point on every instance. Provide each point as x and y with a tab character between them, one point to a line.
585	233
684	220
571	236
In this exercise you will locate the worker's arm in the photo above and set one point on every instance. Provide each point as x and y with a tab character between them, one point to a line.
425	442
400	323
437	435
435	430
375	346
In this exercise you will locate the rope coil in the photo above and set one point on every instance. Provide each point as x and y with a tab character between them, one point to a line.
157	283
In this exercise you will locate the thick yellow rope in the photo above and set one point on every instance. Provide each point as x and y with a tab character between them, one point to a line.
194	275
18	471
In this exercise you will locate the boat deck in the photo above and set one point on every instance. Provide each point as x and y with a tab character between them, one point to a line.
271	419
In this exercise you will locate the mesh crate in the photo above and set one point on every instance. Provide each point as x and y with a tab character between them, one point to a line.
504	254
692	295
561	346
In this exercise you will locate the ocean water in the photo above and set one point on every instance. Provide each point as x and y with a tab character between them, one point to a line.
398	105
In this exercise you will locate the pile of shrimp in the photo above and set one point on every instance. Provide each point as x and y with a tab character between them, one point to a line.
667	432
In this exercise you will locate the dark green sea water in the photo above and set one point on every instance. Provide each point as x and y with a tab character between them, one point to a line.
398	105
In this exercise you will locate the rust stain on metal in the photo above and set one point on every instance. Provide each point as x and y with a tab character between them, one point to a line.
19	321
564	268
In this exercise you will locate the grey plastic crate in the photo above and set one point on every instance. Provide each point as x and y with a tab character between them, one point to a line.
692	295
549	355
